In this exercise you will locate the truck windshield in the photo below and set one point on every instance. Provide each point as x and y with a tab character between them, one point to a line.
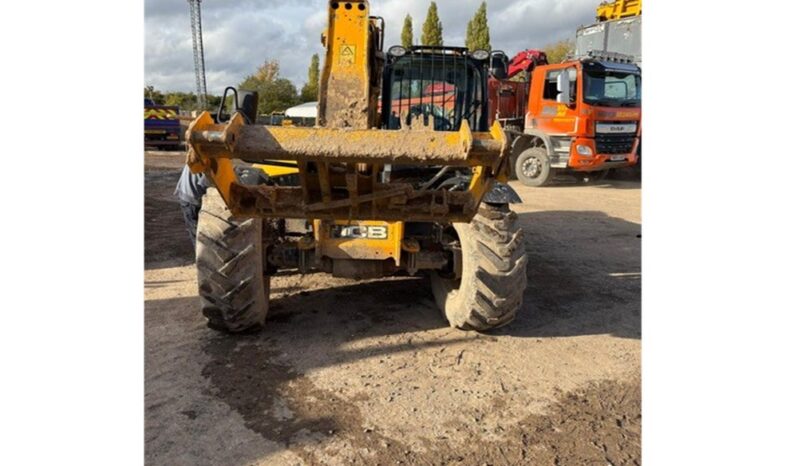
612	88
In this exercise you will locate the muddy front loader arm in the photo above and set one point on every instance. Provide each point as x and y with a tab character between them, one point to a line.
341	162
339	169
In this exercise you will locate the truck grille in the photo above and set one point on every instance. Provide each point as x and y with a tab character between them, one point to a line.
614	143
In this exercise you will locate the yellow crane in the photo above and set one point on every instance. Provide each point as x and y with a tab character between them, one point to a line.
607	11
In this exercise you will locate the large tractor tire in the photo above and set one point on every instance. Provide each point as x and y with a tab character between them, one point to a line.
491	286
233	289
533	167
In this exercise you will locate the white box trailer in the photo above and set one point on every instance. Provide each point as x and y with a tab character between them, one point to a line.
618	36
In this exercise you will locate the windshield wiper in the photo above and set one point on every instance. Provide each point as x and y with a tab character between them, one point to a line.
631	103
606	103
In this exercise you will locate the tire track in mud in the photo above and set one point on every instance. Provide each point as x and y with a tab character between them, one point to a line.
597	424
284	406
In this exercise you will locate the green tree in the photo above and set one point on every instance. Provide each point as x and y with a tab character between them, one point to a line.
214	101
276	94
151	93
268	71
478	32
432	31
176	99
407	32
310	92
187	101
559	51
470	34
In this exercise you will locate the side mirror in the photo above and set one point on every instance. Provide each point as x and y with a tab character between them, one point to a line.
498	65
563	88
248	105
243	101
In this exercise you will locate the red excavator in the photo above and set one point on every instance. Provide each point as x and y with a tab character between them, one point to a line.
581	116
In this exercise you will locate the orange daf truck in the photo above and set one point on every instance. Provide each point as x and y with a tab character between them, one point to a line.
582	116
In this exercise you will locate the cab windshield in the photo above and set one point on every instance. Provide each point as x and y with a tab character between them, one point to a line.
612	88
441	89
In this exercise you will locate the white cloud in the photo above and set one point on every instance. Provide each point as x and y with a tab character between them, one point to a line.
239	35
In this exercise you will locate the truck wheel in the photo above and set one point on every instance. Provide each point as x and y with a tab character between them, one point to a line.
491	286
233	290
533	167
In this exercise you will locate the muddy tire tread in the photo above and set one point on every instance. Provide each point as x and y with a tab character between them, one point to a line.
232	287
493	294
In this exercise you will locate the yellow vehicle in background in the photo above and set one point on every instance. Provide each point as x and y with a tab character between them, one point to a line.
608	11
390	181
618	29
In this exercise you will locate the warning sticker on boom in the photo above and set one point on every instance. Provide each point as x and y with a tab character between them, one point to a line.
347	55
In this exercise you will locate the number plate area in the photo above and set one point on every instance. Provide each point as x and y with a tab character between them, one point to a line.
368	240
618	157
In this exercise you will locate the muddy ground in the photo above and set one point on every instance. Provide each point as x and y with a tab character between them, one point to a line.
369	373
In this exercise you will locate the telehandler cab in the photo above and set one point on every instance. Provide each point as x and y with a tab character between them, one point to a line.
401	174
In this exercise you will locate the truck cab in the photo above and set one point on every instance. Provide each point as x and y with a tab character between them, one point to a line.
582	116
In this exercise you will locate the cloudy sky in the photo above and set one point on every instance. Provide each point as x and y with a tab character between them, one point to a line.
239	35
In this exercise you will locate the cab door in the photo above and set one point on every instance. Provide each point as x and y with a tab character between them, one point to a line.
558	117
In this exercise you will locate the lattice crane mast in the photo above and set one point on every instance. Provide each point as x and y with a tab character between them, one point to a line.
199	54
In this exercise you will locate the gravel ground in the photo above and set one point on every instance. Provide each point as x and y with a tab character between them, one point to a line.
369	373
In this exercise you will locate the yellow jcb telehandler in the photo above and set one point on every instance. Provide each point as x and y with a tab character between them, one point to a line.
401	175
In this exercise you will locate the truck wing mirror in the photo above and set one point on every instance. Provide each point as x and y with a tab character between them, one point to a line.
498	65
563	88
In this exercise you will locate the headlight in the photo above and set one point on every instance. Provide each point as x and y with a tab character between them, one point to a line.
480	54
397	51
583	150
